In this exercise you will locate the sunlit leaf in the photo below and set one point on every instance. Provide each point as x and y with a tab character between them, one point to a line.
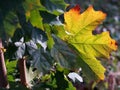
32	14
78	29
36	19
74	76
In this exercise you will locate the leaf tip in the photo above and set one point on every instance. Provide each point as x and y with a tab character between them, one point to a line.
101	13
113	44
76	8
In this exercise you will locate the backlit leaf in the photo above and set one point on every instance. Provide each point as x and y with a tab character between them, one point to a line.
74	76
78	28
32	14
36	19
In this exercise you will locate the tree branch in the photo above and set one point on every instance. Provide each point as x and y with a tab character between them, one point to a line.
22	69
3	72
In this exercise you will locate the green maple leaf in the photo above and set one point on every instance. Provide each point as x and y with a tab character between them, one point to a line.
32	13
78	32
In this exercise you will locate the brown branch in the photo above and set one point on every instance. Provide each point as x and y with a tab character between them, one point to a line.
22	69
3	72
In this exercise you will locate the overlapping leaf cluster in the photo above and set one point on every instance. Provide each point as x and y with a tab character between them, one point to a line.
37	32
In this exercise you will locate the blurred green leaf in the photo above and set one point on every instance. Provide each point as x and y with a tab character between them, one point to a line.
56	80
56	7
36	19
10	23
50	41
17	86
11	67
59	30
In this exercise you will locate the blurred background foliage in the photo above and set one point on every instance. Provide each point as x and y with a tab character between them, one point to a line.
24	21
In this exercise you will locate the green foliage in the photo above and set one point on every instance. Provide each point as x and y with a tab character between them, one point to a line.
34	29
11	70
57	80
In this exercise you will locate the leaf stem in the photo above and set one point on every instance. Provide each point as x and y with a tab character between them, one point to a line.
22	69
3	72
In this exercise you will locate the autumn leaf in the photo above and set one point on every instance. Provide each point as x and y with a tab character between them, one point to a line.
78	28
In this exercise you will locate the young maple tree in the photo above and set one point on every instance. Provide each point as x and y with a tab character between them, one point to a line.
50	44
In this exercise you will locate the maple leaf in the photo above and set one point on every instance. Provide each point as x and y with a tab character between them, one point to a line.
78	28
